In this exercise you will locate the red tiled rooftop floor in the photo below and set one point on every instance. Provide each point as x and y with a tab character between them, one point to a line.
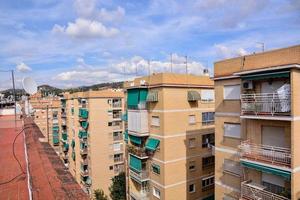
48	176
17	189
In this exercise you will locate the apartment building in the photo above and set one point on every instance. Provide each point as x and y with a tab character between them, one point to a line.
169	134
47	117
257	125
92	137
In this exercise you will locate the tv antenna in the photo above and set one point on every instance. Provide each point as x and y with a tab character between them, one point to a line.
30	87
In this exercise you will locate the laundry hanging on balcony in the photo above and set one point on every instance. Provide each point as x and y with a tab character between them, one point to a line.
284	96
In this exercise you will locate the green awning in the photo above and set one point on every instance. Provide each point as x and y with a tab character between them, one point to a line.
152	96
155	168
126	136
55	133
125	117
82	134
55	140
135	163
66	146
55	128
73	156
73	143
265	169
193	96
84	124
72	111
152	144
83	113
261	76
64	136
212	197
136	96
83	145
132	97
135	139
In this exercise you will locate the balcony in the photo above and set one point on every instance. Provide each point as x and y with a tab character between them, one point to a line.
267	154
117	127
117	116
266	104
138	122
118	159
141	195
84	173
253	191
83	114
117	104
141	176
83	151
84	162
137	151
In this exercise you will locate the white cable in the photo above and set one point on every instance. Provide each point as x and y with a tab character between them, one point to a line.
27	169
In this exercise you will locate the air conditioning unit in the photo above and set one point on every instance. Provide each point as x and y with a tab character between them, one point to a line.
248	85
143	82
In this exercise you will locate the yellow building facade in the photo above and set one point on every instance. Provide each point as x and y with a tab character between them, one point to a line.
92	137
256	126
169	134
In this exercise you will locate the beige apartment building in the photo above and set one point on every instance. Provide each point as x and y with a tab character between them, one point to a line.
257	126
170	129
92	137
47	117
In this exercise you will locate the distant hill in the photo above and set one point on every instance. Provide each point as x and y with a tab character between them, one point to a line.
48	90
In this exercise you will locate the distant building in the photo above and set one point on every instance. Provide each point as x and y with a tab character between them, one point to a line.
257	126
170	129
91	135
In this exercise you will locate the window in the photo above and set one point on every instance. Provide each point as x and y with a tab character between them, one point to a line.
155	168
192	142
208	118
111	167
156	192
232	167
208	139
192	119
208	183
232	130
232	92
109	124
207	95
155	121
192	165
192	188
208	162
117	146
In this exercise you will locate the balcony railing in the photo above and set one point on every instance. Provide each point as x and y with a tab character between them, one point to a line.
265	153
117	104
142	195
83	151
84	173
118	159
140	176
266	104
253	191
138	151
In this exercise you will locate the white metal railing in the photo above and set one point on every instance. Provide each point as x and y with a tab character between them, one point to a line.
265	153
266	104
142	195
117	104
142	175
253	191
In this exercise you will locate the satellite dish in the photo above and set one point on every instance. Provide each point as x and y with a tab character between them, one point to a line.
29	85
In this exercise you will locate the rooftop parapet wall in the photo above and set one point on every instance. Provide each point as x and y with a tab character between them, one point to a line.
278	57
171	79
108	93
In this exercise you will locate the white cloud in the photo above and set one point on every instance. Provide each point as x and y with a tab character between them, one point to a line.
22	67
113	15
224	51
84	28
85	8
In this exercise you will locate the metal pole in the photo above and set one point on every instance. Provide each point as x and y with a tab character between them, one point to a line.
14	93
47	124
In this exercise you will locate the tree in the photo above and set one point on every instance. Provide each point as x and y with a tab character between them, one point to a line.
99	195
118	187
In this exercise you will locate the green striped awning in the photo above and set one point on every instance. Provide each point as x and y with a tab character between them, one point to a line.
84	124
152	96
64	136
261	76
265	169
152	144
83	113
55	140
155	168
73	156
135	163
193	96
82	134
136	96
135	139
126	136
55	128
66	146
73	143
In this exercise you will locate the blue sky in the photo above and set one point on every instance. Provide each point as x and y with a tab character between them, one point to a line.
82	42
